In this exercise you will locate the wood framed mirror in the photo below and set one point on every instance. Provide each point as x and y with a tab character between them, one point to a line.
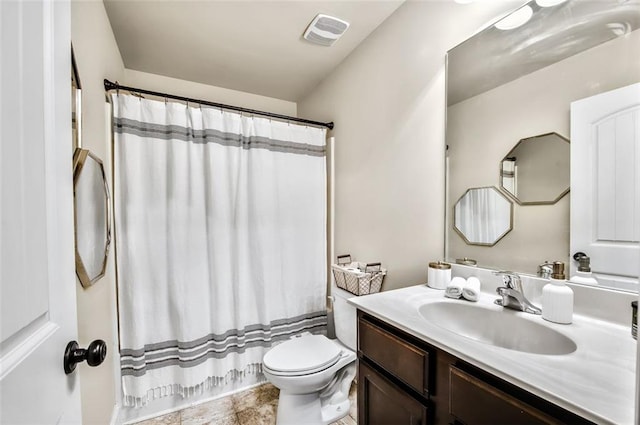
92	213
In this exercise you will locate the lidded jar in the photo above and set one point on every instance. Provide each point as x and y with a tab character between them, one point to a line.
439	275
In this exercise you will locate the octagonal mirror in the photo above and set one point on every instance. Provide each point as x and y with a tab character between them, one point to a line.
483	216
91	206
536	170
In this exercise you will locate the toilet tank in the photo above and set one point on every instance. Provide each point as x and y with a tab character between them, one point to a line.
344	317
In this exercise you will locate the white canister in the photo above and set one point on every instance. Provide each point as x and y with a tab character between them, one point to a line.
439	275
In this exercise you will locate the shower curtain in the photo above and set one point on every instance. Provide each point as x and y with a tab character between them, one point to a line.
220	241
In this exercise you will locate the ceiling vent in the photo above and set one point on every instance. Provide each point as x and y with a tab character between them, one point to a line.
325	30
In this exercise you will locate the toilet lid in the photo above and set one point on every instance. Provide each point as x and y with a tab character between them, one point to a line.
302	355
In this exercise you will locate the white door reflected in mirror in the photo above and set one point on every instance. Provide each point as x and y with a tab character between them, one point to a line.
93	233
605	193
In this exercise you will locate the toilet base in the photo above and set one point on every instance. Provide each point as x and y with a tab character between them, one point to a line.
319	407
334	412
297	409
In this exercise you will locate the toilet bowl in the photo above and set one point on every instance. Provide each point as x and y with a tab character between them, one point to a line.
314	373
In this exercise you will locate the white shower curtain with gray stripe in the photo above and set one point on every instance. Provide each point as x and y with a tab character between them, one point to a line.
220	240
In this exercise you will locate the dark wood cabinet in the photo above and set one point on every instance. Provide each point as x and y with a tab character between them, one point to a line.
384	403
403	380
404	360
473	401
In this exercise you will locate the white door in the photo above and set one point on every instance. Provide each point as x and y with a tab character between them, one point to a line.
605	184
37	278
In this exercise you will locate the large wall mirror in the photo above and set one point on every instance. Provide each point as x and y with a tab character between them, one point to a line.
510	83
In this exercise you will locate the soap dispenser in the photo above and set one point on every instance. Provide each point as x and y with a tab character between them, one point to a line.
583	274
557	297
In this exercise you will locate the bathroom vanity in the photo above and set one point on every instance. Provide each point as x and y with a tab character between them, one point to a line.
414	369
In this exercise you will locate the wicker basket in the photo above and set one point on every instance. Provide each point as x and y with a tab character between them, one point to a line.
358	278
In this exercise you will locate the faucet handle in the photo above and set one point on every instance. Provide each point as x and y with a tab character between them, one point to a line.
545	269
509	278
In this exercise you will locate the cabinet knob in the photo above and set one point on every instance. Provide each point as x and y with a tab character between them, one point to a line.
94	354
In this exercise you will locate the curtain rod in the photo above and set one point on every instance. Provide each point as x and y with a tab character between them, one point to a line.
108	85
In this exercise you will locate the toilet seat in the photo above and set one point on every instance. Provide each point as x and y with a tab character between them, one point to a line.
302	356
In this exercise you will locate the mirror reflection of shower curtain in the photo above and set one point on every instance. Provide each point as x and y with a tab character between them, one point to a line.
509	175
221	243
483	215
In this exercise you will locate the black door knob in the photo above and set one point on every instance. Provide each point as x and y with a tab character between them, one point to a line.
578	255
94	354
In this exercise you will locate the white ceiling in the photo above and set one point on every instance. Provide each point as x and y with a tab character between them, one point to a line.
252	46
494	57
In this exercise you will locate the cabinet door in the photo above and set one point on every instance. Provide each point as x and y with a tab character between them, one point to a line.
380	402
475	402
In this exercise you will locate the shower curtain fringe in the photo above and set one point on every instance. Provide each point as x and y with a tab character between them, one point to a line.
211	382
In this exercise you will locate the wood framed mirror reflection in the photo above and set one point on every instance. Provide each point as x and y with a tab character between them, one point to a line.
536	170
507	85
483	216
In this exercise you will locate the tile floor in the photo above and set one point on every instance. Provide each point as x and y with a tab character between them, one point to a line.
256	406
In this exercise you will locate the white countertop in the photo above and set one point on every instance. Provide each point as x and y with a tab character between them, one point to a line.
597	381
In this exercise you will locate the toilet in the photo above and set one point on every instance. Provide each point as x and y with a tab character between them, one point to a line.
314	373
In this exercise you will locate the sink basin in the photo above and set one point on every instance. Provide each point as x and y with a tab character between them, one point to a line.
501	328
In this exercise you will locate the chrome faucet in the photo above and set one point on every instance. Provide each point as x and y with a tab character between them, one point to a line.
512	293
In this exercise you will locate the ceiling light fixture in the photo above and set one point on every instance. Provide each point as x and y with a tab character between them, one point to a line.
325	30
515	19
549	3
619	28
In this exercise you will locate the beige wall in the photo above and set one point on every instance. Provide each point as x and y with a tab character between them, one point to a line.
483	129
387	100
184	88
97	57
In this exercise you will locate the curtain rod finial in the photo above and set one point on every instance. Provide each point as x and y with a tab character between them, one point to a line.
108	85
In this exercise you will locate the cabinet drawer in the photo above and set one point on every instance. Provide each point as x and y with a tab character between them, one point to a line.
475	402
405	361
